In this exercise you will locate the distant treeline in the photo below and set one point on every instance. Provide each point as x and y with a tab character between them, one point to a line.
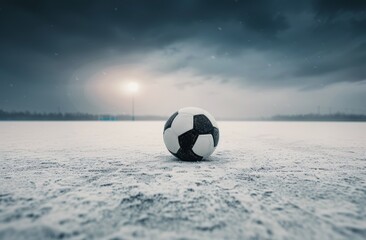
36	116
320	117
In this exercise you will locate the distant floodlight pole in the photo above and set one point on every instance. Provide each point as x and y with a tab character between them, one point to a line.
133	87
133	107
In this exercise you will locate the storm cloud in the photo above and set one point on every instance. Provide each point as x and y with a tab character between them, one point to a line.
262	44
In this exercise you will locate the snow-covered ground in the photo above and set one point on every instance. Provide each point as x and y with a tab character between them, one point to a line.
116	180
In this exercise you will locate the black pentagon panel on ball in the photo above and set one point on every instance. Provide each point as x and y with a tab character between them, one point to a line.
168	123
188	139
187	155
202	124
216	135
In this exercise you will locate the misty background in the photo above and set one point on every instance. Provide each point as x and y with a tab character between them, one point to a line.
237	59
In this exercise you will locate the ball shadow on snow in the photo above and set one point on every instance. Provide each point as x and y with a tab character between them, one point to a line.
175	159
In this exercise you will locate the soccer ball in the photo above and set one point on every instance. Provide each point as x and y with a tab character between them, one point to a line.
191	134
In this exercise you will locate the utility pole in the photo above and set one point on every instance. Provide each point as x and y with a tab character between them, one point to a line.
133	88
133	107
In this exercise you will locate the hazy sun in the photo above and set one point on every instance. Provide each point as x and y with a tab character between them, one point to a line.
132	87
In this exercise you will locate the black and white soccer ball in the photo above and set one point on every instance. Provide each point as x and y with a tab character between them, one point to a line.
191	134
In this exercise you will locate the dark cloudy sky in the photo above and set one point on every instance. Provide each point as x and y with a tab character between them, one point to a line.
235	58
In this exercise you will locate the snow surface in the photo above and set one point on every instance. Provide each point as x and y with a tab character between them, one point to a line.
116	180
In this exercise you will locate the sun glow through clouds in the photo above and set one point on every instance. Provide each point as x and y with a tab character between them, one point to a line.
132	87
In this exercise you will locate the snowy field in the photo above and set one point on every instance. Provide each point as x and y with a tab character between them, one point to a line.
116	180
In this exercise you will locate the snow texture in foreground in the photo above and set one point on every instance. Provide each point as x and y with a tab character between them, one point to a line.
116	180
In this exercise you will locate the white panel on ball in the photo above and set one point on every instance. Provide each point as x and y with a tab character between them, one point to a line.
171	140
191	110
182	123
204	145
